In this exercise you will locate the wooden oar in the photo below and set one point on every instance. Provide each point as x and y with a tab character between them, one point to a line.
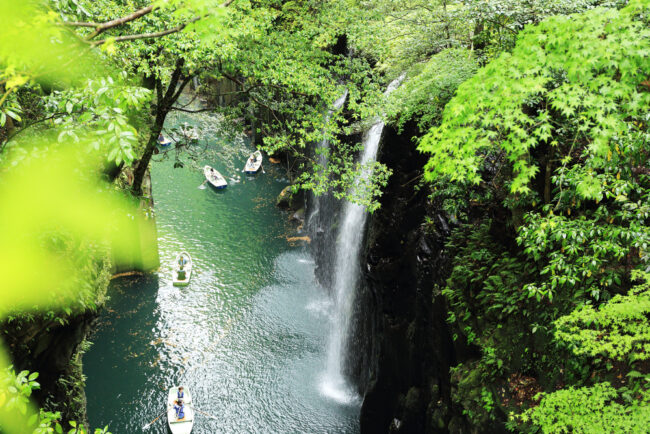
204	413
202	184
151	423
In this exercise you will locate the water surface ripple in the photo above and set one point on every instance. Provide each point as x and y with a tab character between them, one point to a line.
247	336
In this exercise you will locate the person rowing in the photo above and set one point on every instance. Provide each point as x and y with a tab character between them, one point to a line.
179	408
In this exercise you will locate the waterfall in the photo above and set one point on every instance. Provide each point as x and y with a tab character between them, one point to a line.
313	220
346	274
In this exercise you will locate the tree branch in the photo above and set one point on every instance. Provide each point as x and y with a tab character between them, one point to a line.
181	109
145	35
55	115
180	90
168	99
119	21
99	28
252	97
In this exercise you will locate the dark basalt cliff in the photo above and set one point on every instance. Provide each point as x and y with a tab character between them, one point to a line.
52	349
402	320
406	345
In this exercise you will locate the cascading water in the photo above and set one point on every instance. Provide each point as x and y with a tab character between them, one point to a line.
346	274
313	220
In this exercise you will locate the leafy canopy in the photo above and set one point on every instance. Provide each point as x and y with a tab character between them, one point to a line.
590	68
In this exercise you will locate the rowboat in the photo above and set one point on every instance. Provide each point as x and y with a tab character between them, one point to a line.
189	133
214	177
184	425
253	163
164	141
181	274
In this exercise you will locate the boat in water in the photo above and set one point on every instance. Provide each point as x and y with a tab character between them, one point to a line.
189	132
182	269
164	141
176	425
253	163
214	177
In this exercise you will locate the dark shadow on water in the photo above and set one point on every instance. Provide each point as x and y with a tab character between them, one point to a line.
122	352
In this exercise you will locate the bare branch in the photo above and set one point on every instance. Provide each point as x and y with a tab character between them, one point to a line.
55	115
181	109
143	35
99	28
119	21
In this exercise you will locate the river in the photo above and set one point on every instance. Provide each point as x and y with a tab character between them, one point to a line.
248	336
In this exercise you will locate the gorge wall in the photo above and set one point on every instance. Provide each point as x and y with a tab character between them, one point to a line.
53	350
52	343
408	344
403	369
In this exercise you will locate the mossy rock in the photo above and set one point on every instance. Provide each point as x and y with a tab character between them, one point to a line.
287	199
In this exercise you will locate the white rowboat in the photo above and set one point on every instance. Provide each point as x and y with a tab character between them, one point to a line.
189	133
214	177
253	163
182	426
181	277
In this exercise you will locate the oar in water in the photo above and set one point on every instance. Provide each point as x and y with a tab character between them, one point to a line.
204	413
151	423
202	186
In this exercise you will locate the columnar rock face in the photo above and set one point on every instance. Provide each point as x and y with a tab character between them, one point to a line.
403	371
51	349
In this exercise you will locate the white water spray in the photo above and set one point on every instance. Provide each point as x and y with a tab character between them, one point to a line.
346	274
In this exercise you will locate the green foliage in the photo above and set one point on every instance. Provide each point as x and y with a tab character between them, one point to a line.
617	330
580	252
514	104
15	391
101	112
470	394
106	109
34	48
430	86
541	292
592	409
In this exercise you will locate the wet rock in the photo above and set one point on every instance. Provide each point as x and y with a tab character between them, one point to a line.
410	347
289	200
299	215
284	198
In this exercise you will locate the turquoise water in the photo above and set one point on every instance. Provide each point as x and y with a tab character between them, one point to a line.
247	336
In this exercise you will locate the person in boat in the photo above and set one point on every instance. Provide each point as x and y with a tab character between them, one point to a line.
180	394
160	138
182	261
179	408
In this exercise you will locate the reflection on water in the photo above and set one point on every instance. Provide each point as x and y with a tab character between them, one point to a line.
247	336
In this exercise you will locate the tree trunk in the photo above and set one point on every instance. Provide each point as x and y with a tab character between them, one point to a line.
547	182
143	164
165	101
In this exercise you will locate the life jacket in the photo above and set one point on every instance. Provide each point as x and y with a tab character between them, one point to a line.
180	411
180	394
